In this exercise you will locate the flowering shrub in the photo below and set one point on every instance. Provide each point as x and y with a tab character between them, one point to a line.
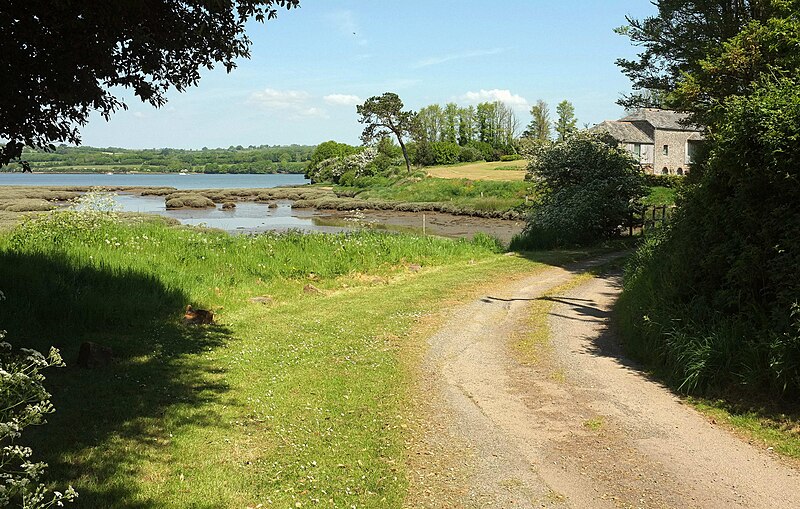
24	402
96	201
585	186
333	168
89	218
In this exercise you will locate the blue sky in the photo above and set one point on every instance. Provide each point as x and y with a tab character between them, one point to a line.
311	66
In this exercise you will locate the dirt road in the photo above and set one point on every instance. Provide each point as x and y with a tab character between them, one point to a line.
580	427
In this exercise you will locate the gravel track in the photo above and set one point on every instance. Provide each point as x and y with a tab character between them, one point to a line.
581	427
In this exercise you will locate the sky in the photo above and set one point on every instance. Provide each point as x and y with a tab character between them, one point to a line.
311	66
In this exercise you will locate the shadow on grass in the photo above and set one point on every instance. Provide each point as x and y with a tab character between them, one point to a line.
109	422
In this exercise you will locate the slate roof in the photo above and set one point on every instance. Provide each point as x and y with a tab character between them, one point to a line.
623	131
661	119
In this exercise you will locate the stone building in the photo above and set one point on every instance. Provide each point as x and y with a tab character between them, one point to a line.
662	140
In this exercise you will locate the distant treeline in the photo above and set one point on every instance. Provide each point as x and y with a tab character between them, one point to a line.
262	159
450	134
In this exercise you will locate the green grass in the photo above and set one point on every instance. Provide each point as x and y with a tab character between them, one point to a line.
660	196
763	428
472	194
302	400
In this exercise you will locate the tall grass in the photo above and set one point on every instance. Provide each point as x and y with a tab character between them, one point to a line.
476	194
195	262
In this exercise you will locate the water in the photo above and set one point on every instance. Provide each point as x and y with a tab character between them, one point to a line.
247	217
191	181
254	217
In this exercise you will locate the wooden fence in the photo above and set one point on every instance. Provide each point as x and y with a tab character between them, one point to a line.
645	218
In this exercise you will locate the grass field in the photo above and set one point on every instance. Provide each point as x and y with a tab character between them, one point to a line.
301	400
659	196
464	193
504	170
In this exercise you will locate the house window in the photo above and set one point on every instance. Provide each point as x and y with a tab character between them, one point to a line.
680	171
691	151
665	171
637	150
665	150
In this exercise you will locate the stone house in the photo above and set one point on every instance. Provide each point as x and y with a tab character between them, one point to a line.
662	141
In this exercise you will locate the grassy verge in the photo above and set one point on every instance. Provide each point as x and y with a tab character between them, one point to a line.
776	430
299	399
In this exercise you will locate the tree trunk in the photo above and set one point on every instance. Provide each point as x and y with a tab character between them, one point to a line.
405	152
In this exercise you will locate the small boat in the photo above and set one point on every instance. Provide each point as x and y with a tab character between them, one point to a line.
109	173
183	173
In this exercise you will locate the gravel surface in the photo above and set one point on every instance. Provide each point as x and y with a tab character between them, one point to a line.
580	427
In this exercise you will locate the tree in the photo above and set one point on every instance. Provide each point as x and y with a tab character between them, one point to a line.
681	36
383	115
450	124
719	286
63	60
761	53
466	125
429	122
327	150
585	186
539	128
566	123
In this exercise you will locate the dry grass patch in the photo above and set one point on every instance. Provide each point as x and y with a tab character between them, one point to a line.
505	170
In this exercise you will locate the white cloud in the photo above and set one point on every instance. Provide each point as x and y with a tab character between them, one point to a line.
495	94
312	112
426	62
280	99
343	99
294	103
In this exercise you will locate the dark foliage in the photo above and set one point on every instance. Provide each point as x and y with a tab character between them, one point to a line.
719	290
586	185
60	60
679	37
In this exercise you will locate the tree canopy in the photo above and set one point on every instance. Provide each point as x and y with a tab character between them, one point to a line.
540	125
566	122
683	33
719	286
383	115
63	60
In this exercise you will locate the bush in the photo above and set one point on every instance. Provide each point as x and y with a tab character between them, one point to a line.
585	186
511	157
421	154
712	302
444	152
670	181
486	149
24	402
469	155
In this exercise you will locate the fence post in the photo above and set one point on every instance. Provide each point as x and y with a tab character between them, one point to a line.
630	223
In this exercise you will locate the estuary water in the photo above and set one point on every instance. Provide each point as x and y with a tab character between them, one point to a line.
253	217
189	181
247	217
